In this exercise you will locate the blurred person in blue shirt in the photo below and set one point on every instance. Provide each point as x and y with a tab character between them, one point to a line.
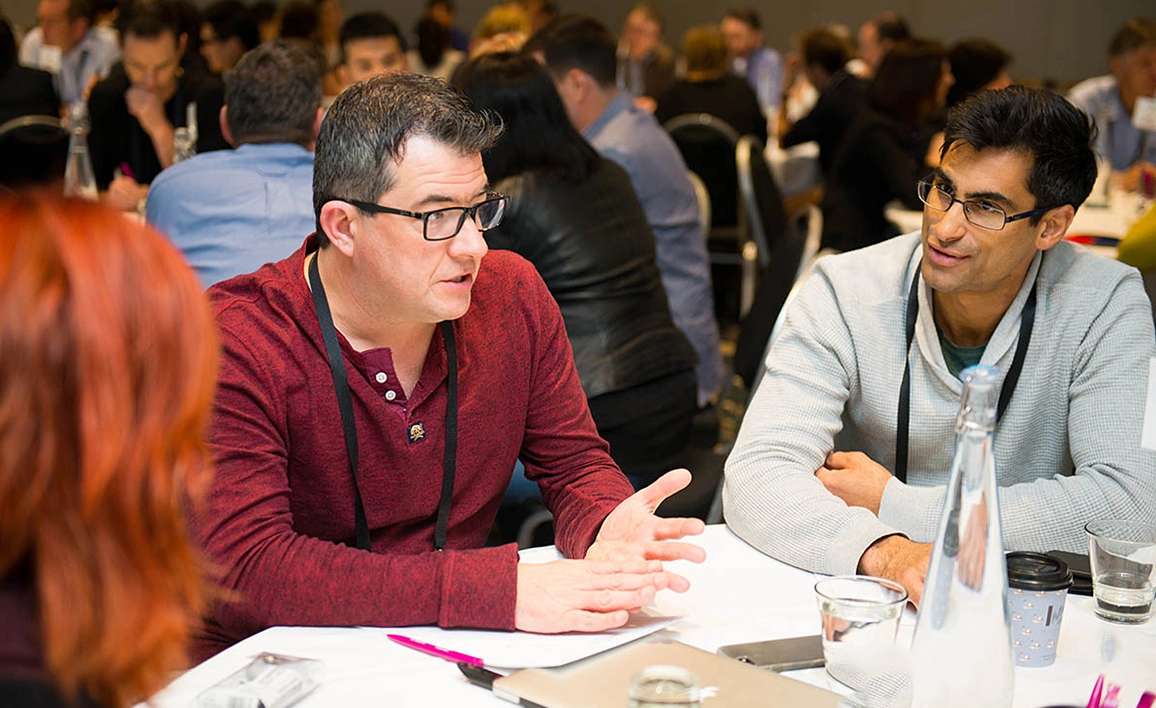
761	65
232	211
1111	101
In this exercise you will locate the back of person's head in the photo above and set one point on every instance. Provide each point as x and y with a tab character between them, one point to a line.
368	25
577	42
823	47
149	19
1035	122
272	95
230	18
906	84
86	10
110	356
975	63
889	26
365	131
705	51
505	18
432	40
747	15
538	135
299	21
1136	33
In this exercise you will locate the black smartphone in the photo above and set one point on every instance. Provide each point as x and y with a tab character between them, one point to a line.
779	654
1081	568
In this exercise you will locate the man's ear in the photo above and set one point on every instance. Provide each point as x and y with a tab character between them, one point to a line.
339	221
227	134
343	75
1055	226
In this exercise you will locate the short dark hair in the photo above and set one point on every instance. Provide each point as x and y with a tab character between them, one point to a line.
974	63
823	47
82	10
538	135
1057	135
1135	33
273	94
230	18
578	42
891	26
299	21
149	19
264	10
747	15
906	83
368	25
365	132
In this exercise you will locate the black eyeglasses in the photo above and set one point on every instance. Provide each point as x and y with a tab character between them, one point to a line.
985	215
442	224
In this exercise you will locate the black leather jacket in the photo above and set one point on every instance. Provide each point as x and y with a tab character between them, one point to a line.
591	244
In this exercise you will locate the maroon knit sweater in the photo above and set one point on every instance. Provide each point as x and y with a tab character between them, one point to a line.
279	519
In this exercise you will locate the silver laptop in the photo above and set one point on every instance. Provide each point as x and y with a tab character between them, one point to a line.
604	680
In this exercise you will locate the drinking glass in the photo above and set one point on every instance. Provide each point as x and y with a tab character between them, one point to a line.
1123	555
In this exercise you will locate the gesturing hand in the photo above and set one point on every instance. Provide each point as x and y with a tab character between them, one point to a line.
855	478
583	595
632	531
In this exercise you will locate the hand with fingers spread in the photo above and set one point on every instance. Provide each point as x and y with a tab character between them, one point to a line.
583	595
632	532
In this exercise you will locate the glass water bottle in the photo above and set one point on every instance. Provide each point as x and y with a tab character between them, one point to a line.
962	650
79	179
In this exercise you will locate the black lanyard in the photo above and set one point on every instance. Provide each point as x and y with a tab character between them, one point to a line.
345	403
1027	321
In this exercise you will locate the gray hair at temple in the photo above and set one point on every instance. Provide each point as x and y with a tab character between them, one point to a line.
272	95
365	132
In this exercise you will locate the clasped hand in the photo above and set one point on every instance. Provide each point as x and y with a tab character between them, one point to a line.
622	570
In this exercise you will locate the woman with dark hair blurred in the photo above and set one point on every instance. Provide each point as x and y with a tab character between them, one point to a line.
977	64
109	362
574	215
880	158
433	55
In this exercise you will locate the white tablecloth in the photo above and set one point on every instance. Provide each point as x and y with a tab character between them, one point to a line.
737	595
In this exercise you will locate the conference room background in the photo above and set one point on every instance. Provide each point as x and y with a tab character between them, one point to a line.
1052	40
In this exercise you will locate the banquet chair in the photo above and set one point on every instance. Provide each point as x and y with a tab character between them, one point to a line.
34	149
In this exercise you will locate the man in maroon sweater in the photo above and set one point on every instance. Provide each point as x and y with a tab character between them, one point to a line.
300	536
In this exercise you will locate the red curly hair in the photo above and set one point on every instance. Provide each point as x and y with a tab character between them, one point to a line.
108	358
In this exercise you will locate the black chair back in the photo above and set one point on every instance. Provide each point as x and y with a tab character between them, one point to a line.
35	151
781	244
708	145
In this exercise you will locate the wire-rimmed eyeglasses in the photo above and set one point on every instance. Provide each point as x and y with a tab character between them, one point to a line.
981	213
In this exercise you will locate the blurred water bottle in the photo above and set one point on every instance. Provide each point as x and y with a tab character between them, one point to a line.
79	179
184	145
962	649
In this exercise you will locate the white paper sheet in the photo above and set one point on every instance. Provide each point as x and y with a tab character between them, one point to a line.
1148	432
524	650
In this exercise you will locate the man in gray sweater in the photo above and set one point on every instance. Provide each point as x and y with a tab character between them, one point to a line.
823	476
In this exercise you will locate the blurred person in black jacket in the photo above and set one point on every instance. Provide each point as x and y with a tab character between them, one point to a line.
574	215
876	162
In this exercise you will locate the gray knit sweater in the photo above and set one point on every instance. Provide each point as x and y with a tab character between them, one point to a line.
1067	448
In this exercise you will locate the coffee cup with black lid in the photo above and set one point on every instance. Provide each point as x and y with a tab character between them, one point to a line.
1037	591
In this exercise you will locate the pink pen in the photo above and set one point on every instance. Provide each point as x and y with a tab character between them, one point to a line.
1097	693
430	649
